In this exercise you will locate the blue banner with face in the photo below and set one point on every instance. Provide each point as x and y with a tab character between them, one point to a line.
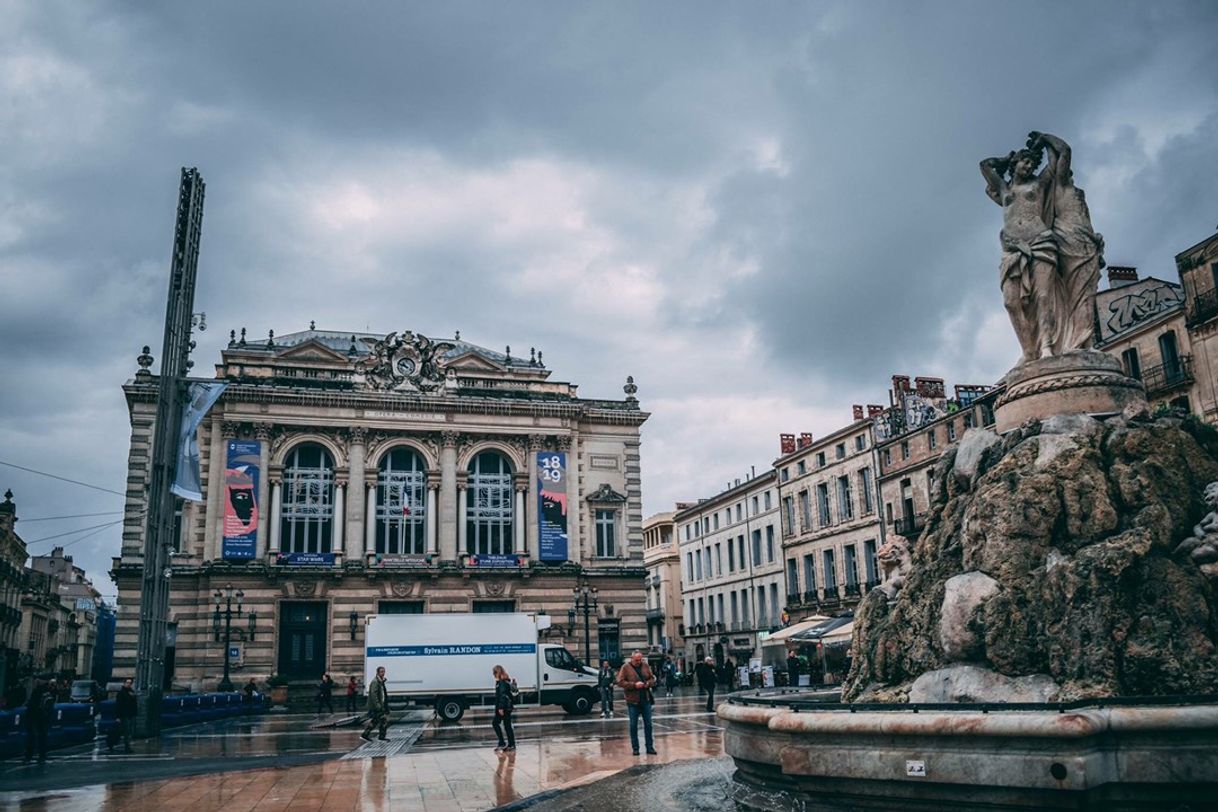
242	474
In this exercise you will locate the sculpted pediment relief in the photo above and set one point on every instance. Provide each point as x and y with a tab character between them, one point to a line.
473	362
312	351
405	361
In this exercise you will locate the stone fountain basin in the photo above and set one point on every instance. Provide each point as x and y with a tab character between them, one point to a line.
1153	755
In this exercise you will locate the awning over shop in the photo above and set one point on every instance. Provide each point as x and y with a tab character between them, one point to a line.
781	635
817	633
840	635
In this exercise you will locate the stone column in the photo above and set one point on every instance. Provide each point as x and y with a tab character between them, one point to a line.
262	432
575	550
276	511
340	520
369	518
215	489
448	495
432	526
462	530
356	461
537	443
518	520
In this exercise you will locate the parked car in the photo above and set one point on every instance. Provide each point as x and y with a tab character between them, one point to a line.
84	690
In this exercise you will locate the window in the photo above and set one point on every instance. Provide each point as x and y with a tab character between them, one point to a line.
860	442
727	516
702	610
756	548
706	524
710	608
307	511
399	607
739	512
489	492
401	492
905	449
951	431
698	566
931	440
830	570
839	451
810	572
718	559
852	572
775	611
865	489
731	556
1170	353
792	577
175	537
497	608
805	509
785	474
769	543
801	468
735	608
606	533
788	514
870	564
745	613
888	456
761	613
845	502
768	503
968	421
716	521
693	618
719	598
740	544
822	504
689	566
756	509
820	459
1133	366
561	659
706	553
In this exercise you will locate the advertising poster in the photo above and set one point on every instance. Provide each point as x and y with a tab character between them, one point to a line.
241	477
552	507
305	559
496	561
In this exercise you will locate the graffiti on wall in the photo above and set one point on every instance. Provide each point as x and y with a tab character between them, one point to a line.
1128	310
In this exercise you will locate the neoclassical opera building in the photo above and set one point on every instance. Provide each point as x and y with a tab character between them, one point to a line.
347	474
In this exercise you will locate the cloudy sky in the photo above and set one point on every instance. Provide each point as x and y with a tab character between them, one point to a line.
761	211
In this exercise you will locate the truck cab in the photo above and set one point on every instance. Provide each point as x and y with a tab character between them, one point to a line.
566	681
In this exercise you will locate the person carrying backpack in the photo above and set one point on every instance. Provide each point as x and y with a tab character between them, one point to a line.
505	699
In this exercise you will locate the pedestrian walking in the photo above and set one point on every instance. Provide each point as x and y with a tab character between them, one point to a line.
732	675
670	677
793	666
352	691
39	708
127	708
505	702
604	683
325	692
378	707
636	680
705	674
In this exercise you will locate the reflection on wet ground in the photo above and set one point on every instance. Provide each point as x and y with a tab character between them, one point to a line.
450	768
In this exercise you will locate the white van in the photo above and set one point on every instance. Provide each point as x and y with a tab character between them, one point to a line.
445	660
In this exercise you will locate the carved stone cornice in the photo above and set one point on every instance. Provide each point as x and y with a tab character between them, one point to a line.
537	442
357	434
451	439
564	442
229	429
263	431
606	495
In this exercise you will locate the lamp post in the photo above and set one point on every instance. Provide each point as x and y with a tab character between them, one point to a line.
226	595
585	601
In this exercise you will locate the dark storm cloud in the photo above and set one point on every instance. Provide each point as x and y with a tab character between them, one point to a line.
759	211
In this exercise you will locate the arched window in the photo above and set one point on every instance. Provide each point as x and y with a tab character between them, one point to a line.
307	523
401	504
489	505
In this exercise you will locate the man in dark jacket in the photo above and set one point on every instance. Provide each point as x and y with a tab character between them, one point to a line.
378	707
604	683
705	673
127	708
793	665
39	709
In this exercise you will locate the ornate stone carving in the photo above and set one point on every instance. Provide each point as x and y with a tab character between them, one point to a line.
1202	546
451	439
229	429
606	494
495	588
358	434
564	442
304	589
405	362
537	442
263	431
895	562
400	589
1067	382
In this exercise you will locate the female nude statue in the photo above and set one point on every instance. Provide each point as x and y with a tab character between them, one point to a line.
1028	273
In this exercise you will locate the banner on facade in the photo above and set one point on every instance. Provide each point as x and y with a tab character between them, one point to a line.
200	398
305	559
241	477
552	505
496	561
406	561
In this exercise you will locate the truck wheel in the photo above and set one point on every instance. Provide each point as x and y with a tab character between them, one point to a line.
580	704
450	709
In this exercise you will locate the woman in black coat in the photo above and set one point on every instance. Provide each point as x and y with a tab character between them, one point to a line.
502	723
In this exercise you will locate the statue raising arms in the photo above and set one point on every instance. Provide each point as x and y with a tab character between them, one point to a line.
1028	272
1080	248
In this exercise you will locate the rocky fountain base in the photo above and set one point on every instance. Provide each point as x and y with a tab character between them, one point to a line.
1068	565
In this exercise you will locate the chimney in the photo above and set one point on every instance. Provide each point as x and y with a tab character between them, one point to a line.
1121	275
857	409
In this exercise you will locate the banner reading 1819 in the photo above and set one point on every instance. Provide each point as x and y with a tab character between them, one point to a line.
241	506
552	505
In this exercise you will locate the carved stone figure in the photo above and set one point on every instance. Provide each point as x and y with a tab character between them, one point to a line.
1051	255
895	562
1202	546
405	361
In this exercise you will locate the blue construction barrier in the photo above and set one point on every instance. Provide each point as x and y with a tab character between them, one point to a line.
78	722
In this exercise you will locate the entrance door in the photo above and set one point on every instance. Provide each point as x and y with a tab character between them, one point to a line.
302	638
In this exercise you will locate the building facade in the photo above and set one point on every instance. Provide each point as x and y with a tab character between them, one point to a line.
81	605
731	570
344	475
830	521
12	587
1198	269
1143	323
662	558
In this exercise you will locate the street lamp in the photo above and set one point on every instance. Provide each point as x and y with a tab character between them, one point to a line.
585	601
226	595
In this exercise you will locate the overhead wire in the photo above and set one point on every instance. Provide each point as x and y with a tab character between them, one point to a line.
62	478
74	532
72	516
94	533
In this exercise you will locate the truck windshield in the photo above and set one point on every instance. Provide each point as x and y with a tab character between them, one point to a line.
560	658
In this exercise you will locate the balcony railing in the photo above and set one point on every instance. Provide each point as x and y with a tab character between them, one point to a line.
793	599
909	526
852	589
830	593
655	614
1166	377
811	597
1204	308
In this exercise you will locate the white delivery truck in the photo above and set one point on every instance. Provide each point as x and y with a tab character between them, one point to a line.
445	660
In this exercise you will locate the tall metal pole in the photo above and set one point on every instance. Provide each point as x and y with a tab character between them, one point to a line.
587	633
154	589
